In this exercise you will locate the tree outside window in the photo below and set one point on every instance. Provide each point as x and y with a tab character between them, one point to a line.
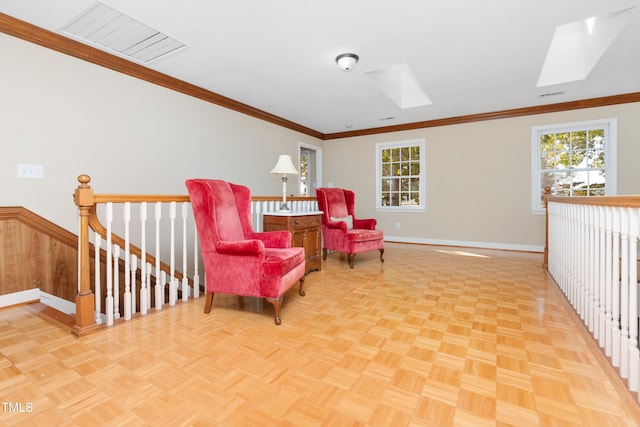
400	175
574	160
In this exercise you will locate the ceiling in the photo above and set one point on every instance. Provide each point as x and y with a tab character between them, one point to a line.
469	56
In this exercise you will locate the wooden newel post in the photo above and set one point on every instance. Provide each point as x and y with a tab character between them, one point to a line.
85	300
545	200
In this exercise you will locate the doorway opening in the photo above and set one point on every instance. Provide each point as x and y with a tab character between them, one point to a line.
310	167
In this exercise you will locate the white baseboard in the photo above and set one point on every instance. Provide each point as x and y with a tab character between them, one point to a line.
19	297
58	303
461	243
31	295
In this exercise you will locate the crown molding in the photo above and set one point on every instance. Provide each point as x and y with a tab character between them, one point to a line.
34	34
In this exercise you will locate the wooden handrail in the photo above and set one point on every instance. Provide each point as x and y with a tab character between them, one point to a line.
630	201
87	202
38	223
627	201
139	198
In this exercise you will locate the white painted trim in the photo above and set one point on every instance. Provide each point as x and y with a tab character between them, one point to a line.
611	155
35	294
422	207
461	243
62	305
19	297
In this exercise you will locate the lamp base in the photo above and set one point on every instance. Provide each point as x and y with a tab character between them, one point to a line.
284	207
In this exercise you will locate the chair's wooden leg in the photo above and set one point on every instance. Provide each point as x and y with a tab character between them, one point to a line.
301	290
324	254
381	253
350	257
208	302
277	302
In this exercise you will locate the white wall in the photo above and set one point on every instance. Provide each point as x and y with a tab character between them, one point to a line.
134	137
478	178
130	136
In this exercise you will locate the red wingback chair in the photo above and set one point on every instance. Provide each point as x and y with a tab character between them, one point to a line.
341	230
238	260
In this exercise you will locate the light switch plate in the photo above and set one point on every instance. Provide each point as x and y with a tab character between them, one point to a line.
30	171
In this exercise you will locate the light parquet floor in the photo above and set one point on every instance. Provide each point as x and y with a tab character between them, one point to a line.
434	336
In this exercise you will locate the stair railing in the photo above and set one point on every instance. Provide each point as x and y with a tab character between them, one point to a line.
592	254
127	277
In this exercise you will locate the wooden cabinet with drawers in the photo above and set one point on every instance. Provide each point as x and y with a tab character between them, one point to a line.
305	232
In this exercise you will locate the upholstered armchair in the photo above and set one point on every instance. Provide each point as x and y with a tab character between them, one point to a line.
236	259
341	230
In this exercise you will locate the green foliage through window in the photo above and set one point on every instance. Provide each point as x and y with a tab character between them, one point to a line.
400	175
572	161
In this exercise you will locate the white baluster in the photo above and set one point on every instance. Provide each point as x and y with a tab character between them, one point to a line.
614	310
594	307
144	301
594	238
173	292
253	215
257	207
173	287
126	216
196	276
602	269
109	301
185	279
148	280
163	281
96	267
116	281
159	291
134	270
634	353
624	291
609	271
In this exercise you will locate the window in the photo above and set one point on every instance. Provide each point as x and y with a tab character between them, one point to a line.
575	159
400	175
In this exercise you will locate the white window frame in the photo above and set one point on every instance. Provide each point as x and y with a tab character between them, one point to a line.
421	176
610	127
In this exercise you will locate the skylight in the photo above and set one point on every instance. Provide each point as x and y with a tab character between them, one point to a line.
399	84
577	47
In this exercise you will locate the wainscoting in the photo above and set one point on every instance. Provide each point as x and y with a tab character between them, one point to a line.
36	254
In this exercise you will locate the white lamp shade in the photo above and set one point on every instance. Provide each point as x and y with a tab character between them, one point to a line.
284	165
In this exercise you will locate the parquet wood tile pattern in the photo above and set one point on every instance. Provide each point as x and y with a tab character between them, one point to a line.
433	336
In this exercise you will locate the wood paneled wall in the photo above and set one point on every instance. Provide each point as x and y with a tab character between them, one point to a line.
35	253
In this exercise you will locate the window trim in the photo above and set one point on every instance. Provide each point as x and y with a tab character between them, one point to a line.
420	142
611	155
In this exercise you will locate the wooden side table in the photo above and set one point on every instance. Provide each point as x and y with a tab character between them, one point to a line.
306	232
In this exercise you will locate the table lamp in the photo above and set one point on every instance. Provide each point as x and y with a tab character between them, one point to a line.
284	166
